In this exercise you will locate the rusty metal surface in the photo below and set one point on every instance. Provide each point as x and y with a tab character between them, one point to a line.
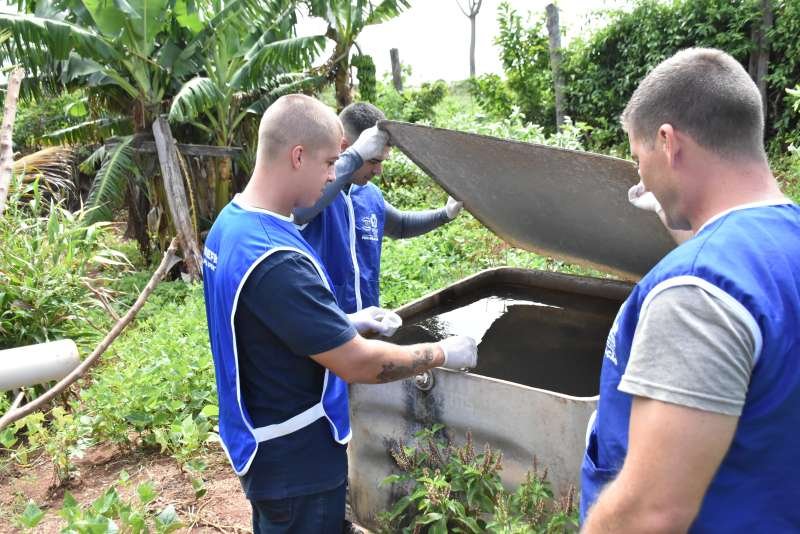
563	203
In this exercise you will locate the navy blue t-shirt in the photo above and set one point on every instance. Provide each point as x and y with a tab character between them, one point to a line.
285	314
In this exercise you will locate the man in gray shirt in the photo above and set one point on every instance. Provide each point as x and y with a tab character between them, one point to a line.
700	389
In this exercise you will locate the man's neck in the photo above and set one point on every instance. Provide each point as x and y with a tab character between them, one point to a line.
733	188
261	192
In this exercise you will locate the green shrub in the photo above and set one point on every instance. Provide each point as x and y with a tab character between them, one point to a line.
110	512
493	95
456	489
48	260
525	56
412	105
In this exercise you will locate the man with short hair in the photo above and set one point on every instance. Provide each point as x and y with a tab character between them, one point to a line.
700	386
283	350
347	225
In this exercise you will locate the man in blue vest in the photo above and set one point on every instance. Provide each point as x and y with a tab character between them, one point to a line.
283	350
347	225
699	405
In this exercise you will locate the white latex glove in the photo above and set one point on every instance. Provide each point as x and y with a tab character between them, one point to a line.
460	352
453	207
642	199
375	320
371	143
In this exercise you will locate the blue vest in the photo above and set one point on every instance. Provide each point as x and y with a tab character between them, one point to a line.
240	239
347	236
749	257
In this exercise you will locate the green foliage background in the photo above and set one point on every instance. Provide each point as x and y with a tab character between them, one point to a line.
602	69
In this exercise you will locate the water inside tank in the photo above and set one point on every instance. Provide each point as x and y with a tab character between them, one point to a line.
540	338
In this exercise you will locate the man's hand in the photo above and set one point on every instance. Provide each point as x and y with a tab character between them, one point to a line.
374	320
371	143
460	352
453	208
643	199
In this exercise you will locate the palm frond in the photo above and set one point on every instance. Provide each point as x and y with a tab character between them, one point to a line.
55	37
53	166
43	45
196	96
90	131
286	84
109	186
386	10
89	165
287	55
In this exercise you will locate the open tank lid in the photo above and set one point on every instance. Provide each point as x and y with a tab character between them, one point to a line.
563	203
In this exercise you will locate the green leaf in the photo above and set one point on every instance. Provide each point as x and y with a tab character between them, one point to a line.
199	486
31	516
167	520
8	437
187	19
146	492
195	97
429	518
110	184
210	411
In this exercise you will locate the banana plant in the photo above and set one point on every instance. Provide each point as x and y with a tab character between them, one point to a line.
241	73
128	54
346	19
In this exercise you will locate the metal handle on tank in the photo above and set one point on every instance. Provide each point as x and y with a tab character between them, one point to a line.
424	380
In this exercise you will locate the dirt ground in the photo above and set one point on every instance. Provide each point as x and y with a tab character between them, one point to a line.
222	509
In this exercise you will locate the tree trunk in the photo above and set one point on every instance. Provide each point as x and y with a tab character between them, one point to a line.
759	57
554	33
176	196
472	45
6	149
397	78
344	96
223	186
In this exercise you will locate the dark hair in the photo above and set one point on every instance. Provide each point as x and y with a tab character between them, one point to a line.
357	117
705	93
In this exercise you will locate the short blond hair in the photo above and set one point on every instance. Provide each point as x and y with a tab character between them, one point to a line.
707	94
296	120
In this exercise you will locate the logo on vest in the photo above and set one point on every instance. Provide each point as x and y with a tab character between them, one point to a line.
369	228
210	258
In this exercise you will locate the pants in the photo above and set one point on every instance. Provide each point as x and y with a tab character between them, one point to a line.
319	513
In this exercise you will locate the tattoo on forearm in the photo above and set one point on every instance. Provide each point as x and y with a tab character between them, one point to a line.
421	361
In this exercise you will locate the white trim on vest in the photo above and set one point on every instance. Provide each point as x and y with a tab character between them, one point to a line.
290	425
760	204
356	271
736	307
246	207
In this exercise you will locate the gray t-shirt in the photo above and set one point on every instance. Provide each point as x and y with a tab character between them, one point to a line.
693	349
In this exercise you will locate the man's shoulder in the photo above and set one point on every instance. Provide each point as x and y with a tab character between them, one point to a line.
285	267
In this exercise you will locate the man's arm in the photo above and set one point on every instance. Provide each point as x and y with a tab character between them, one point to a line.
673	453
349	161
405	224
688	372
367	361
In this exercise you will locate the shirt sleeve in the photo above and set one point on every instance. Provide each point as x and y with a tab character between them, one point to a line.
286	295
690	348
404	224
349	162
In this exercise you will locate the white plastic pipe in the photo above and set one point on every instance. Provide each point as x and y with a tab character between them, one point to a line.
36	364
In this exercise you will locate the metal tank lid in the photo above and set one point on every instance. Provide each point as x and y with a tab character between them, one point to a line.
563	203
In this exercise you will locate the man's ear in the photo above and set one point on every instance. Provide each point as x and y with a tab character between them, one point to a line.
668	143
345	144
297	156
